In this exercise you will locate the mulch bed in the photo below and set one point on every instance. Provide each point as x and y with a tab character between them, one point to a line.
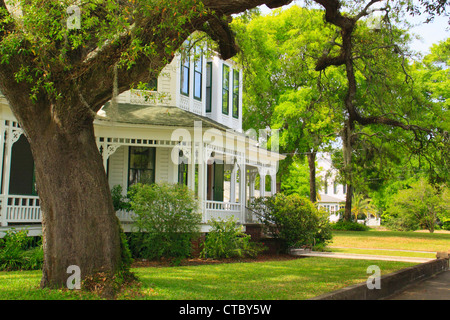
197	261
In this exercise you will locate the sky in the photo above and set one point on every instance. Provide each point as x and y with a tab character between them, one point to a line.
430	33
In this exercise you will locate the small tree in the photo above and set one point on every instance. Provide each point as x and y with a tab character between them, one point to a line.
420	206
168	217
362	206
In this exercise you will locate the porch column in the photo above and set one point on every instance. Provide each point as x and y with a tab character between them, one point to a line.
251	187
202	176
233	183
108	150
12	135
242	189
191	168
273	183
262	183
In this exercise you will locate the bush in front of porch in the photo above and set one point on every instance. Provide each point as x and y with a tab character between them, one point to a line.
167	217
226	239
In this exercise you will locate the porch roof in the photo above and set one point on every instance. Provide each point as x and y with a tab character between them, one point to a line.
325	198
169	116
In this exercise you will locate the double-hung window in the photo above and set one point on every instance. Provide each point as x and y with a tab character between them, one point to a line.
198	73
225	89
208	86
185	70
236	94
141	165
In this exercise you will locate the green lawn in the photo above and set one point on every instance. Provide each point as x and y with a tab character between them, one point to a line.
395	240
297	279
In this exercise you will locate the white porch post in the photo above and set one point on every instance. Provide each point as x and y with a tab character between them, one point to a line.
4	199
233	183
108	150
12	135
242	189
262	183
252	176
202	183
191	168
273	183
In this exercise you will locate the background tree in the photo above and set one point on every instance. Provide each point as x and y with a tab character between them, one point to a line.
379	91
419	206
282	89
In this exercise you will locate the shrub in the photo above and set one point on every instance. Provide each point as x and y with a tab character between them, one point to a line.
348	226
292	219
167	217
16	252
227	240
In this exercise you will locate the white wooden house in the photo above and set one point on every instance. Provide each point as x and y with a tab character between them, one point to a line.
186	129
332	195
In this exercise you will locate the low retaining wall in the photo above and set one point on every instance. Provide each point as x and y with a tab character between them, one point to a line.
390	283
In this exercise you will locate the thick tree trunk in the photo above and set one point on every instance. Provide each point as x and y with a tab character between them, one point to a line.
312	176
79	223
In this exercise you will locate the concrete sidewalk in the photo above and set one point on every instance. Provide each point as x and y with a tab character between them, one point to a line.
305	253
435	288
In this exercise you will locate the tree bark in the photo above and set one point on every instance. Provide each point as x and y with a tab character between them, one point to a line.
78	219
347	150
312	176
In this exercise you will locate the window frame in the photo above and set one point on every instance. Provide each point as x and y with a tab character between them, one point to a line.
185	67
226	89
209	68
198	61
153	160
235	100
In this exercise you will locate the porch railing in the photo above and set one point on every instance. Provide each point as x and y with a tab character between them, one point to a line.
26	209
222	210
20	209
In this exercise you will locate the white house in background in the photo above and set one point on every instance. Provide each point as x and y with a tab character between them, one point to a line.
186	129
332	196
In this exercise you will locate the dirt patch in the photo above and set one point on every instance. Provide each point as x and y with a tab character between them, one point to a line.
197	261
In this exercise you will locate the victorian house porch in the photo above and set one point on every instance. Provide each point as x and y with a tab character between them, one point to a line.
186	129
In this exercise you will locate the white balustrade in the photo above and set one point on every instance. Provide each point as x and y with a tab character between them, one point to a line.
21	209
222	210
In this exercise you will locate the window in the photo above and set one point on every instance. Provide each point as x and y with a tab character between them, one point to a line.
198	70
225	89
335	187
185	61
344	188
208	86
236	94
182	169
326	186
183	173
141	165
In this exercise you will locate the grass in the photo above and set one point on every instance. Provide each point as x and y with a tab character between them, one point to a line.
394	240
295	279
